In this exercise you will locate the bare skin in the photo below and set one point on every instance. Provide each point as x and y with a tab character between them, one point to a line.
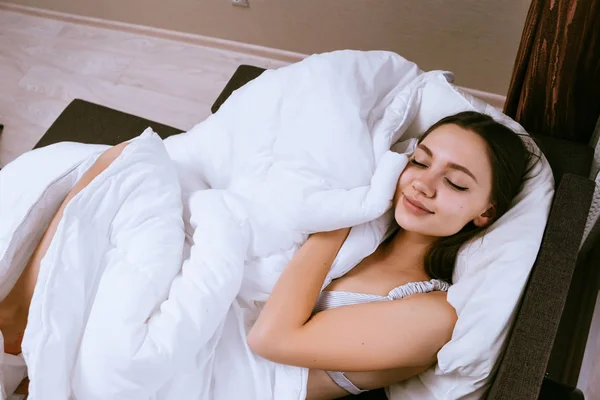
376	274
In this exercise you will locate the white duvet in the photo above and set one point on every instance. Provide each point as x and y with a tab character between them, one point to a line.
158	267
161	265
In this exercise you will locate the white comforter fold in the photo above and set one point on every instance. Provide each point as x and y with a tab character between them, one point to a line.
160	266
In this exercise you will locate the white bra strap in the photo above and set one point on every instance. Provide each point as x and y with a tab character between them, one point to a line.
340	379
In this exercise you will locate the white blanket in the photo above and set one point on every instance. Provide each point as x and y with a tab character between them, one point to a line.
160	266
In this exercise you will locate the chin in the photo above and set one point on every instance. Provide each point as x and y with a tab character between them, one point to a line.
409	223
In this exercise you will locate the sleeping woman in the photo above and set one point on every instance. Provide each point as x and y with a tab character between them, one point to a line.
385	320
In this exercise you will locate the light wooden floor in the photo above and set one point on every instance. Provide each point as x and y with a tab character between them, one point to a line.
45	63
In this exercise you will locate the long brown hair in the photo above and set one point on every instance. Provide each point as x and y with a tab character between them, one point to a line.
511	162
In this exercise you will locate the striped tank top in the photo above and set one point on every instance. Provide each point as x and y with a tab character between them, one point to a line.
333	299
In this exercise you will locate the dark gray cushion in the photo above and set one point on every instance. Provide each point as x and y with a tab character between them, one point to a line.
86	122
528	350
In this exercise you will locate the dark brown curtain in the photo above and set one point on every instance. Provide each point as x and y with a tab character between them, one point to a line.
555	87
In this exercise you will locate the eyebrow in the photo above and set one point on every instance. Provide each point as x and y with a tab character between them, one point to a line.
451	165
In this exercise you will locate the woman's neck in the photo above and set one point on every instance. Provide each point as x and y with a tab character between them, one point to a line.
406	251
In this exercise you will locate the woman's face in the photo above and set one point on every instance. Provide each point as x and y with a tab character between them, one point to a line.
446	184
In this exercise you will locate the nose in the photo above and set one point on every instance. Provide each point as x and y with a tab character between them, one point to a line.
425	185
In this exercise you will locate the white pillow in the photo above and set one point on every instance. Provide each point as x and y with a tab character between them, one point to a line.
490	274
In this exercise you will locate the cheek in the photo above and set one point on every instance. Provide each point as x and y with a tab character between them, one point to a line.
404	181
399	189
454	206
459	206
457	210
453	214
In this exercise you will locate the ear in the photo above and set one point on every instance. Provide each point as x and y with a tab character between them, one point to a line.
486	218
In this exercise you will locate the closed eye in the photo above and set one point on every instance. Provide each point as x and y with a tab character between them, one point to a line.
455	186
418	164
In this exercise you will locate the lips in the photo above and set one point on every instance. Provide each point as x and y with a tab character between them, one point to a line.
415	206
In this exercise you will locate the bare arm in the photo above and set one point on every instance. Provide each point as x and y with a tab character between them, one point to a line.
363	337
295	294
